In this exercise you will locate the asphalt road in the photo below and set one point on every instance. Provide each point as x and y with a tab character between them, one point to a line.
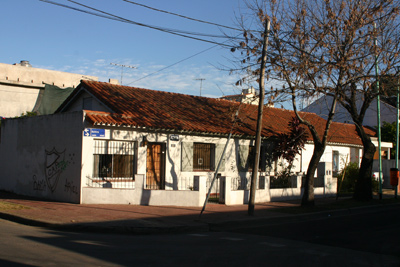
377	232
33	246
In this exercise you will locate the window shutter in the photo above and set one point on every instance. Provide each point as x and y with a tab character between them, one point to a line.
219	149
187	157
243	156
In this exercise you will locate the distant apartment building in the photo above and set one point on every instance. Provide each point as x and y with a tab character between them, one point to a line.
22	86
248	96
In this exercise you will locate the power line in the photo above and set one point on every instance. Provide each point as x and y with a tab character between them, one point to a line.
182	16
123	19
141	24
110	16
205	50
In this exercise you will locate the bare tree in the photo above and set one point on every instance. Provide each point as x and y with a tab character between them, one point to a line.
371	47
322	47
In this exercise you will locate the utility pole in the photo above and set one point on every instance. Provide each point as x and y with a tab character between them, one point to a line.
201	83
378	107
397	130
397	139
122	68
259	122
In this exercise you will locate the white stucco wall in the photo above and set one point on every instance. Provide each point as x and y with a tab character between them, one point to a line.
175	178
20	86
344	155
16	100
238	197
351	154
29	145
139	196
41	156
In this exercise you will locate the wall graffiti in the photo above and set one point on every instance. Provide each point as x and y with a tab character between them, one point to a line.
56	163
70	187
233	167
39	185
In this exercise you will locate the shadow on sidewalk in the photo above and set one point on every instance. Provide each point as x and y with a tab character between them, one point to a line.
167	219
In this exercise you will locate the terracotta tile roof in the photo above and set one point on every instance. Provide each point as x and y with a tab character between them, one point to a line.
143	108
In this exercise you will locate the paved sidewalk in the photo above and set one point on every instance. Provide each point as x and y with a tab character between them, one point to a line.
144	219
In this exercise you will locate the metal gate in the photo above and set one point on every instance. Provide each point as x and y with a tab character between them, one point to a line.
215	191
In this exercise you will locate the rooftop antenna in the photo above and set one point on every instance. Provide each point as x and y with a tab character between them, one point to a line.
220	89
122	68
201	83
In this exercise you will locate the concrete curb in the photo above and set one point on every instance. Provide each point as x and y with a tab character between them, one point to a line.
23	220
107	227
129	229
290	218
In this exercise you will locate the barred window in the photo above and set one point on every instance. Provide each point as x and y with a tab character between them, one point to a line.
113	159
203	157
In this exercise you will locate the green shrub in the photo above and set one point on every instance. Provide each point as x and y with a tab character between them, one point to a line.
375	185
350	177
347	184
282	180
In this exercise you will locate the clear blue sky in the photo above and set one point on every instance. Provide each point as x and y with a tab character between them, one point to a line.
57	38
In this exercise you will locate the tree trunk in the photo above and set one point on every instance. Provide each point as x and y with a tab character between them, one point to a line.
253	184
308	196
363	187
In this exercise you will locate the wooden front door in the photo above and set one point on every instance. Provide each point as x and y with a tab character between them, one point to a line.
155	172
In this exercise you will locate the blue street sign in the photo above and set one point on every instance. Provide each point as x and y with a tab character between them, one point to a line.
94	132
86	132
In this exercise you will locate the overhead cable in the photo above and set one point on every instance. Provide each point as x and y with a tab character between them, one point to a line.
182	16
205	50
141	24
174	64
120	19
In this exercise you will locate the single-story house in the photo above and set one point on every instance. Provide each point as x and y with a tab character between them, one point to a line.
116	144
388	113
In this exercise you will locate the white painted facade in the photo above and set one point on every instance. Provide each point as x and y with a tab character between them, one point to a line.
175	178
52	157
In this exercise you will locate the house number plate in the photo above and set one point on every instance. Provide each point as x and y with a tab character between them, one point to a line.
174	137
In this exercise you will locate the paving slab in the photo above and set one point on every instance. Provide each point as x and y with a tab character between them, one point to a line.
143	219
